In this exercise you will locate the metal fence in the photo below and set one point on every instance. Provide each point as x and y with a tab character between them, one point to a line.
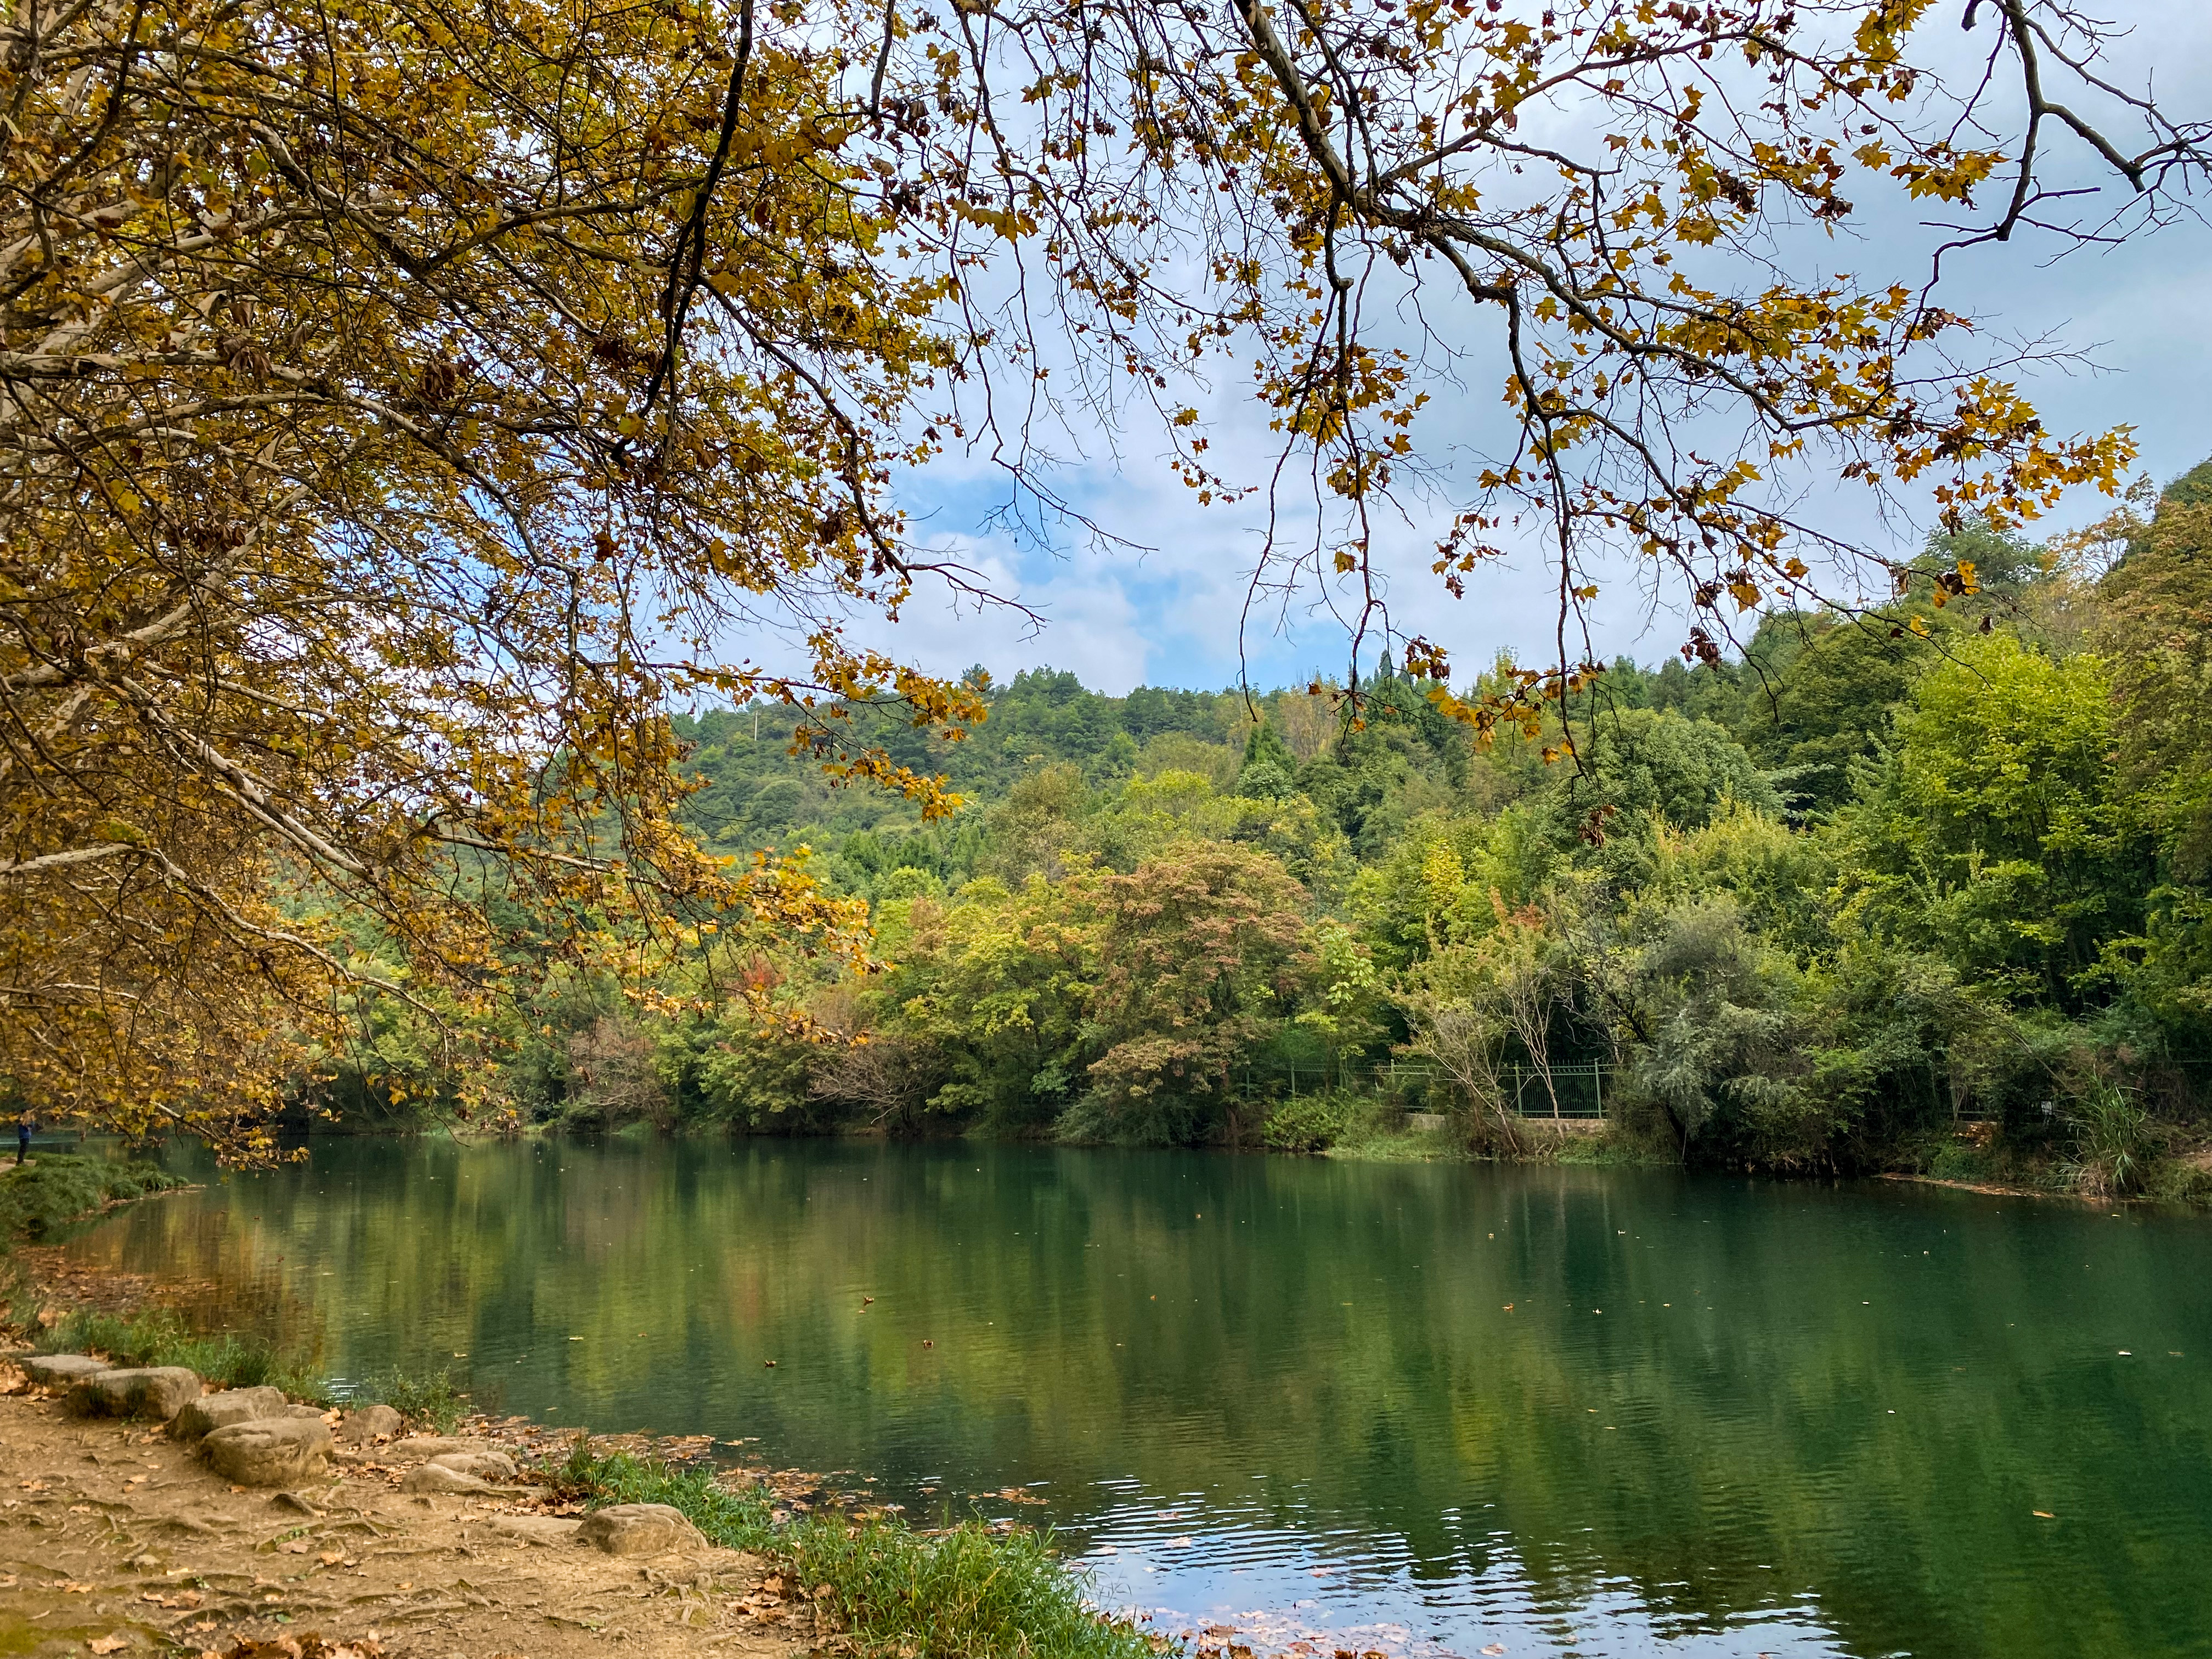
1571	1091
1578	1090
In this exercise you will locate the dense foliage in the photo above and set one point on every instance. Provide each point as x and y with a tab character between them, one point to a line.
1815	908
402	405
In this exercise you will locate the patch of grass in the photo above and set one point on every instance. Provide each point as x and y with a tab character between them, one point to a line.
1376	1130
965	1592
436	1401
2178	1181
236	1360
1401	1146
55	1188
1605	1152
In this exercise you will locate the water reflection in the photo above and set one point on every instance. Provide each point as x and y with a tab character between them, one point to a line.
1419	1410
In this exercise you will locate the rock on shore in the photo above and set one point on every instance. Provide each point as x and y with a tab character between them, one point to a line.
276	1451
365	1424
201	1417
156	1391
640	1529
58	1371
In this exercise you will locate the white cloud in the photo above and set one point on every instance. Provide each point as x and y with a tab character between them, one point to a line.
1172	608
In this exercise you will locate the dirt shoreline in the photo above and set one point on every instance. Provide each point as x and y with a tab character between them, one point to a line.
118	1539
1990	1189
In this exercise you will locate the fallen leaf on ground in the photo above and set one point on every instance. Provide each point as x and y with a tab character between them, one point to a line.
108	1644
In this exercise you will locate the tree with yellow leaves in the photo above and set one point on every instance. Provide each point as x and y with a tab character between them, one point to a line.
1619	216
396	404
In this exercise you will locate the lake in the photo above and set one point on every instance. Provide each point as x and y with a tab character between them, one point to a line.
1426	1409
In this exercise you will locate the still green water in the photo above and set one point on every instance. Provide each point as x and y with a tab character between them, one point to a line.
1426	1409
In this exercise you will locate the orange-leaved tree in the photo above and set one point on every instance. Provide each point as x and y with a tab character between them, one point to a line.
400	404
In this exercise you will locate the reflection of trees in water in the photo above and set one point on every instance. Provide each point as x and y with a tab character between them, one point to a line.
194	1257
1184	1321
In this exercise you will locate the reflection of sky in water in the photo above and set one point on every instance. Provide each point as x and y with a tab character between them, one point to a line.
1225	1575
1423	1412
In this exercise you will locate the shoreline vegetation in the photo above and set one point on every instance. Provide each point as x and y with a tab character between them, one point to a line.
1933	898
1964	1157
961	1590
971	1588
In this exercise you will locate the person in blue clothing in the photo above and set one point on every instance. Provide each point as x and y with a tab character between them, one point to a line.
23	1127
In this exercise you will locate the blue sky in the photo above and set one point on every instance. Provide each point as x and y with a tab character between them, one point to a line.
1167	609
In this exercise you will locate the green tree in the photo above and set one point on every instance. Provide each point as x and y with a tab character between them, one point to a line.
2153	626
998	983
1719	1052
1994	831
1267	772
1819	695
1642	770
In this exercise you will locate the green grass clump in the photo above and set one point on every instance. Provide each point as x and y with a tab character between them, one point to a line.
965	1592
2112	1141
158	1336
55	1188
435	1402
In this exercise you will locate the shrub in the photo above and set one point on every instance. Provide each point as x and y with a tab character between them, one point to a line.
1310	1123
56	1188
1958	1160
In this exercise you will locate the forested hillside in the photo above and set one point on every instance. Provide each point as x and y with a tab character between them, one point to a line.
1927	889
